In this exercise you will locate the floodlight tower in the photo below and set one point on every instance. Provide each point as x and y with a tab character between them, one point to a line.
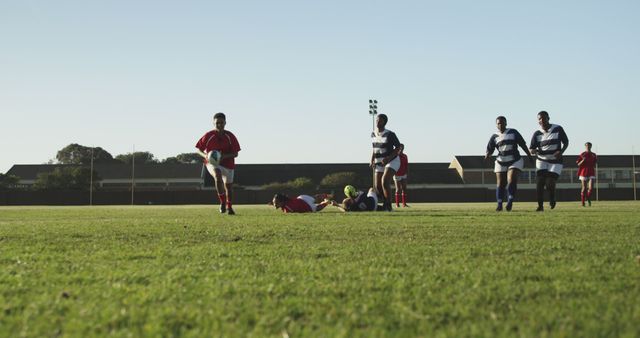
373	111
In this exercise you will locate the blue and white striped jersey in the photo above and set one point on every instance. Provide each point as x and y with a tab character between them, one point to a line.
548	142
507	145
383	144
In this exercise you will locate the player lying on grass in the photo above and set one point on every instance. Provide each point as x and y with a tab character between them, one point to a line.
302	203
358	200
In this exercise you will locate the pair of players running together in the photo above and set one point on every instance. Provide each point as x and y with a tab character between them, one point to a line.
548	143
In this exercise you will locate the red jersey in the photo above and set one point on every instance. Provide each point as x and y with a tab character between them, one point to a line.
587	168
404	165
226	143
296	205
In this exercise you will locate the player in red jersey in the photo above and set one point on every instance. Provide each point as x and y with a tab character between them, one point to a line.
586	172
400	178
302	203
227	144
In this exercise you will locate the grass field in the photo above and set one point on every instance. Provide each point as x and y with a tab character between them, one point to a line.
430	270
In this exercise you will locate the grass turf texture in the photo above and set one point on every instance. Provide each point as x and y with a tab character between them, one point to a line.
428	270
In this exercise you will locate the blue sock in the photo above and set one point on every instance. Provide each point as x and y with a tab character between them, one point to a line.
499	194
512	188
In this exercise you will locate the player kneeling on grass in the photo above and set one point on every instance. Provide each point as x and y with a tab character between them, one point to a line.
358	200
302	203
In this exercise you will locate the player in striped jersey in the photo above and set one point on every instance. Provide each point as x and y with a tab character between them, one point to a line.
508	162
384	159
548	144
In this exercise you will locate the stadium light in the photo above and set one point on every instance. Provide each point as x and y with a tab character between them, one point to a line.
373	111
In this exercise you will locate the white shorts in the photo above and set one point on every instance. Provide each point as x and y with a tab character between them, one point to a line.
226	173
309	200
394	164
372	193
498	168
555	168
584	178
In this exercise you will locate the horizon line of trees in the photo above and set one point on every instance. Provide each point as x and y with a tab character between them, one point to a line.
78	154
80	178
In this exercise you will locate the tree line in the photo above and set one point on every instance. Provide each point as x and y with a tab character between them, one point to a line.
79	154
79	176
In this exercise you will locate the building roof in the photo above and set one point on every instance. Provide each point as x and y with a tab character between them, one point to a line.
115	171
569	161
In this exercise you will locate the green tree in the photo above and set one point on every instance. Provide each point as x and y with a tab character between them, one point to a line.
140	157
71	177
171	160
79	154
300	183
340	179
184	158
8	181
189	158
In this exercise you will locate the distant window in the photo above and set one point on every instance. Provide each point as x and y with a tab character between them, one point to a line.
604	174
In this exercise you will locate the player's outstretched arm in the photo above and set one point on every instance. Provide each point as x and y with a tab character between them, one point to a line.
335	204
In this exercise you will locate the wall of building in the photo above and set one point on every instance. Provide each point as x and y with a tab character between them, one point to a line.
478	194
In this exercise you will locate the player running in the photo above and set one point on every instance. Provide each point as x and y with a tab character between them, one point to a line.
302	203
508	163
586	172
400	178
227	144
548	144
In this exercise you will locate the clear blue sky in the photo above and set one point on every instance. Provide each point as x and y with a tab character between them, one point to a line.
294	77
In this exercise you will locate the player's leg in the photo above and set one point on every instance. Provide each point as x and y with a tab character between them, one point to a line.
501	182
396	181
555	169
386	186
541	176
227	177
403	184
228	187
217	179
377	181
551	188
590	190
583	189
512	186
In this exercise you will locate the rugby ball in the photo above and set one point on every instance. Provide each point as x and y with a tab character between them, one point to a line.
350	191
213	156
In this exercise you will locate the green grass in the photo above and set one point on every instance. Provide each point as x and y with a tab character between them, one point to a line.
431	270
